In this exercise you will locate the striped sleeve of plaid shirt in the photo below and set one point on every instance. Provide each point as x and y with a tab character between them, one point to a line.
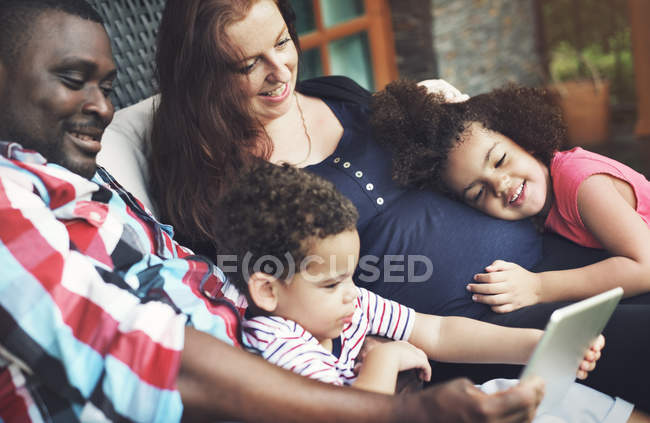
94	298
287	344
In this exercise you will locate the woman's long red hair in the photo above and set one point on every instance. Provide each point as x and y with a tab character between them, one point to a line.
203	131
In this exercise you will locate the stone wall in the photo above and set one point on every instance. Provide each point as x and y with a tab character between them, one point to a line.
476	45
412	27
483	44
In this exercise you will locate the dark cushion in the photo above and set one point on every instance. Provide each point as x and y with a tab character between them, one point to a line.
559	253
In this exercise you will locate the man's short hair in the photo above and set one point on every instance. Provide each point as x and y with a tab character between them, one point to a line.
18	16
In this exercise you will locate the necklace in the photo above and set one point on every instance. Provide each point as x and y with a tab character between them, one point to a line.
304	126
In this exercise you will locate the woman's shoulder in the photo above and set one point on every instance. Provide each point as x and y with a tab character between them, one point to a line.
335	87
135	121
125	147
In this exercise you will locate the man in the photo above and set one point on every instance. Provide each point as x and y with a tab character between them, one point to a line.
102	315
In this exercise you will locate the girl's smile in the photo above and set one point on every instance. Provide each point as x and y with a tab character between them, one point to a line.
491	173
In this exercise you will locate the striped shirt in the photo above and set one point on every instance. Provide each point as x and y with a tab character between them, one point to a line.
287	344
94	298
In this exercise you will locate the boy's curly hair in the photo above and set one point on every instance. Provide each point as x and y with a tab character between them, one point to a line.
274	210
421	128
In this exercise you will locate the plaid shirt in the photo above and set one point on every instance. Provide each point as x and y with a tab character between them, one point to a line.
94	298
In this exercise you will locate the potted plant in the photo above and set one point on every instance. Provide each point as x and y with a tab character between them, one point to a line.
585	39
586	109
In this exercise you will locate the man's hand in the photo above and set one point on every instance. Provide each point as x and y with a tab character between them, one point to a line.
460	401
440	86
591	356
506	287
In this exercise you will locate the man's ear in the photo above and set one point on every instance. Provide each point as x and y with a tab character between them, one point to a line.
263	289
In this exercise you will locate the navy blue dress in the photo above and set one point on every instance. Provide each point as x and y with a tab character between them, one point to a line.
417	247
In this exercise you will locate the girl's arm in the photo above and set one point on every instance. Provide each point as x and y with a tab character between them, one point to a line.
463	340
605	209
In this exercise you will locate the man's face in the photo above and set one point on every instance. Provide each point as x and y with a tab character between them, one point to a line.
54	99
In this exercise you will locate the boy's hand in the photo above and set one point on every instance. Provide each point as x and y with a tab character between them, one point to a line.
506	287
591	356
406	355
371	342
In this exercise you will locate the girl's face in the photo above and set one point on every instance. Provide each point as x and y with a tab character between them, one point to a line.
493	174
269	70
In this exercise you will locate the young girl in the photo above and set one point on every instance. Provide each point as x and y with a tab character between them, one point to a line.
288	240
498	152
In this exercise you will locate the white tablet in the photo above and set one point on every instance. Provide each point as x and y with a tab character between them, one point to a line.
568	334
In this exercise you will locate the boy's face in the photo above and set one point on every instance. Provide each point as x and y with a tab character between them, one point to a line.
493	174
322	297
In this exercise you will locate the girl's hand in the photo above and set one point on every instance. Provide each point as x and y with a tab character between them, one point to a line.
407	356
506	287
591	356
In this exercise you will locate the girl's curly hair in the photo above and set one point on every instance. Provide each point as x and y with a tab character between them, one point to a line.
277	212
421	128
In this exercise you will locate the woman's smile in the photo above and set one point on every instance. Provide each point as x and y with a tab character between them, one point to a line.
277	94
269	64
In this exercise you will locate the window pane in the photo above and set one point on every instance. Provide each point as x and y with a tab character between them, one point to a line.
350	56
337	11
304	16
310	64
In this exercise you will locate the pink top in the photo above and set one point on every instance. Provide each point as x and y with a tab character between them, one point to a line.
568	170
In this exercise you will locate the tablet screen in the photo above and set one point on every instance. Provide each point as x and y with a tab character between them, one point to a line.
567	337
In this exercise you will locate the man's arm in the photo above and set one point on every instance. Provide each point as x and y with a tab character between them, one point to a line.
82	329
217	381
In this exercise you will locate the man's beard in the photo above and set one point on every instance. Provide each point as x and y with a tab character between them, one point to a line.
53	151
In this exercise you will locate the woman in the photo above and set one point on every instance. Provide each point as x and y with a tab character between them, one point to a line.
254	109
227	75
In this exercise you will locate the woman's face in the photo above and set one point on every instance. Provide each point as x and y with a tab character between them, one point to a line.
492	173
269	69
